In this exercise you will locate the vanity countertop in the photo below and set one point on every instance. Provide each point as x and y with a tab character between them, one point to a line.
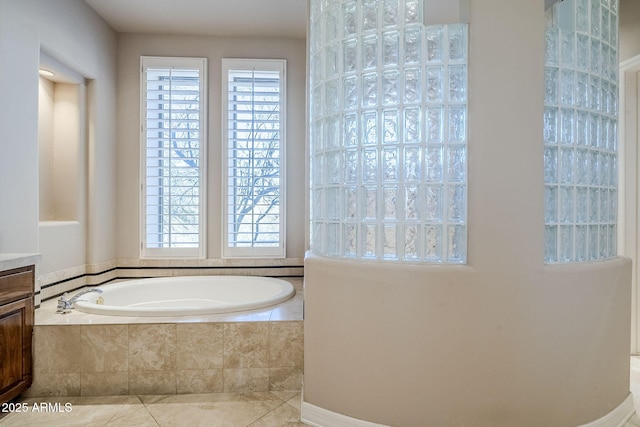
17	260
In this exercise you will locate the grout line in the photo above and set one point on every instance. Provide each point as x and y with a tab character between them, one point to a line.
144	405
267	413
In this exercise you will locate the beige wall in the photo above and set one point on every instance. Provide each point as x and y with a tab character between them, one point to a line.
46	105
72	33
629	29
504	340
628	130
130	48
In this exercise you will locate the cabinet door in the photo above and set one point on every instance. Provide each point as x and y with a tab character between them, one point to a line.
16	328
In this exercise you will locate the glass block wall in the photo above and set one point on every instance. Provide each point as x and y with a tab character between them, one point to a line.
580	131
388	133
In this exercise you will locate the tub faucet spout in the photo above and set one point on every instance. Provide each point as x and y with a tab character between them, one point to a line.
65	305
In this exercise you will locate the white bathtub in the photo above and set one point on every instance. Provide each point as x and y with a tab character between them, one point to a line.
185	296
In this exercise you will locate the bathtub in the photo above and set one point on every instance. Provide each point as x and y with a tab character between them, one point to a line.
185	296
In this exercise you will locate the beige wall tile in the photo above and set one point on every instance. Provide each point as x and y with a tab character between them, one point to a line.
289	379
246	345
52	384
286	344
199	381
290	310
152	382
104	348
244	380
199	345
144	358
152	347
104	383
56	349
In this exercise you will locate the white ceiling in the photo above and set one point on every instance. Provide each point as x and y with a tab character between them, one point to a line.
256	18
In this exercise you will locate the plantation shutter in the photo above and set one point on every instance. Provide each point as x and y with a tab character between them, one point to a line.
254	147
174	145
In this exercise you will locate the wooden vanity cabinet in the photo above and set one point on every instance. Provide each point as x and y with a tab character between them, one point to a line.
16	331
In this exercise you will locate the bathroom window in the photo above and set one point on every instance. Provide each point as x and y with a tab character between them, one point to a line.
580	131
173	147
388	125
253	140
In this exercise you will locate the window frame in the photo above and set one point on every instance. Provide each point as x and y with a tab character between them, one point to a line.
200	64
235	64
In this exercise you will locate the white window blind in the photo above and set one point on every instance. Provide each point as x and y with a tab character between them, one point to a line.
173	134
254	135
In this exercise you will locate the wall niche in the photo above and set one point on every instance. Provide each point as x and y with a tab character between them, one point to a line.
61	141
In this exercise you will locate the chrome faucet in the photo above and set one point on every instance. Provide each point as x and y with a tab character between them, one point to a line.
65	305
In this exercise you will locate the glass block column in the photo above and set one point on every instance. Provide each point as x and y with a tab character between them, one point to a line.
580	131
388	133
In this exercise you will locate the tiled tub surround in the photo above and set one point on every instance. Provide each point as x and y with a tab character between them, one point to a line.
90	355
67	280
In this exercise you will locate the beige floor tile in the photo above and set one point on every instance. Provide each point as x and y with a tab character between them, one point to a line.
634	387
284	395
152	399
635	381
132	416
633	421
82	412
287	414
283	415
280	408
225	409
296	401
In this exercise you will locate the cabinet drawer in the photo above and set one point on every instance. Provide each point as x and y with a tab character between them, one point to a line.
16	284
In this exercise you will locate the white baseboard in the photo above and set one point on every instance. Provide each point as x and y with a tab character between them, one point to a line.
318	417
617	417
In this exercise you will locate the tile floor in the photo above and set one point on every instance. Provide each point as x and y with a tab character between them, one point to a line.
270	409
277	409
635	389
